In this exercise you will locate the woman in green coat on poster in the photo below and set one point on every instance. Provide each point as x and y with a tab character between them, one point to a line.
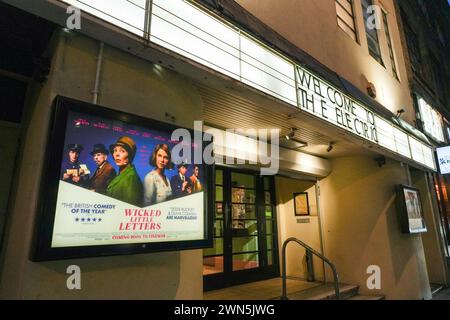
127	185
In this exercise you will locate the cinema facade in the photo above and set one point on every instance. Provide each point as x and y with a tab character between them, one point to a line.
342	153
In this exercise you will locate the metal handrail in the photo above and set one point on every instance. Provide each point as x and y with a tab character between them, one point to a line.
318	254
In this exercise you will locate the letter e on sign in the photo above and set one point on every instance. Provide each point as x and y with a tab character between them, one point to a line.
374	280
74	280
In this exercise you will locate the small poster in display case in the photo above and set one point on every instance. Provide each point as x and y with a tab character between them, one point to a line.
301	204
410	210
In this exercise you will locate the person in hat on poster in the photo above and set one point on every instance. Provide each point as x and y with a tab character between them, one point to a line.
104	173
127	185
181	185
72	170
156	184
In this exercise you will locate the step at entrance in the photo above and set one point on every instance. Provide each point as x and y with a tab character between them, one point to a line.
327	292
296	290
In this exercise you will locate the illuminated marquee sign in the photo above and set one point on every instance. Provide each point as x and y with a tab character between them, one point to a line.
126	14
432	120
184	28
181	27
319	98
324	101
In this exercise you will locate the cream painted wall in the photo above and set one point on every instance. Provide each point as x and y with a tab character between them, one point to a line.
312	26
288	226
129	84
433	247
361	229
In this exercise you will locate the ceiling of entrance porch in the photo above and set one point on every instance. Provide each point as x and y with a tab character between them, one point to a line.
224	109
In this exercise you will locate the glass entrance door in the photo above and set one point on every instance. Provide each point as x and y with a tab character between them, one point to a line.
244	230
244	222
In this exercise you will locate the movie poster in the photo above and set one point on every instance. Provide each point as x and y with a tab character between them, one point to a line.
414	210
121	184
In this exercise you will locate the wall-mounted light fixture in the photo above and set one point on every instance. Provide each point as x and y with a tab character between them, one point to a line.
330	146
381	161
399	113
291	134
290	142
371	90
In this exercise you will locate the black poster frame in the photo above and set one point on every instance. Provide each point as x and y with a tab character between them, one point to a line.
402	210
41	249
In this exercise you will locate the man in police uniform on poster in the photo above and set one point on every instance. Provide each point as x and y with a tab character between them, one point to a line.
72	170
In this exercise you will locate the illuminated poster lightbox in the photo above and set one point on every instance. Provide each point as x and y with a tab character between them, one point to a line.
119	184
410	210
443	158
